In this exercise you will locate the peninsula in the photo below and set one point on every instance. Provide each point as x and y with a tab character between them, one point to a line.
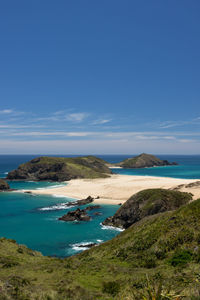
60	169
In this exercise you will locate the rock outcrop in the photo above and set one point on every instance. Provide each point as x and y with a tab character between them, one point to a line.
4	186
60	169
145	203
77	215
144	161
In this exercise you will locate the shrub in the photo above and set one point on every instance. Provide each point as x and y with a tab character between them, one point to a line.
181	257
111	287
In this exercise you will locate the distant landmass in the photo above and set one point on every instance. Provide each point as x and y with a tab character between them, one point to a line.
144	161
67	168
60	169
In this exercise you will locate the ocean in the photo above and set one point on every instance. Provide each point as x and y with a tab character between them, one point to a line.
30	219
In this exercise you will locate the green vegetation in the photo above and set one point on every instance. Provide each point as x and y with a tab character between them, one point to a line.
155	258
60	169
144	160
145	203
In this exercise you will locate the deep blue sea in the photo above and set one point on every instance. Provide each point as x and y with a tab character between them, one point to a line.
29	219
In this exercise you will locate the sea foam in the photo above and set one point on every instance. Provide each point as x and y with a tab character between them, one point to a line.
105	227
59	206
84	245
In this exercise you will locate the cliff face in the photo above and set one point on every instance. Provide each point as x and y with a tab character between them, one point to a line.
60	169
4	185
143	161
146	203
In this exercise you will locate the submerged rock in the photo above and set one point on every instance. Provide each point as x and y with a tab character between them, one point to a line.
97	214
89	245
93	207
145	203
4	186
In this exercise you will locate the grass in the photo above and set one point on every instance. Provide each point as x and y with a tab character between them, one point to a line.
61	168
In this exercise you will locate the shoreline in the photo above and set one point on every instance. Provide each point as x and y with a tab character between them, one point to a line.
115	189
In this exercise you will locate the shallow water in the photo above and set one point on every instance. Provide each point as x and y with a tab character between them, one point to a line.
22	220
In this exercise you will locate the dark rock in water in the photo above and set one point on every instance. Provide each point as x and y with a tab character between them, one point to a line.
87	245
93	207
89	199
144	161
27	192
77	215
4	186
97	213
146	203
60	169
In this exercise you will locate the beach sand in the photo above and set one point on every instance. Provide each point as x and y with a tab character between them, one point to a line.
117	188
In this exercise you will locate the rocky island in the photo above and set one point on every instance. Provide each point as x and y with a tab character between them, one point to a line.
60	169
4	186
144	161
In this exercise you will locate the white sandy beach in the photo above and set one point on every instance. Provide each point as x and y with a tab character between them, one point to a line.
117	188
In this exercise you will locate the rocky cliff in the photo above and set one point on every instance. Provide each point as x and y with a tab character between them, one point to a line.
60	169
143	161
146	203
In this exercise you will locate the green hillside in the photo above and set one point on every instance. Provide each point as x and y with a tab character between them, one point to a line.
60	169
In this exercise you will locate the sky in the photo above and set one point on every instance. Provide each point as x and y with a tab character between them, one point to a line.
99	77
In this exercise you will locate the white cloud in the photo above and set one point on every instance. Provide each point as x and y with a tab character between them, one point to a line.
6	111
170	124
96	146
76	117
101	121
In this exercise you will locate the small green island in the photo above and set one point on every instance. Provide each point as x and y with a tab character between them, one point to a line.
144	160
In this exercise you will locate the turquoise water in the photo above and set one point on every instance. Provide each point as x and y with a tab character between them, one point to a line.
23	218
31	185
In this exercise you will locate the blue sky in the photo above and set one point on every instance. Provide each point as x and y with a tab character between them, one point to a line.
109	77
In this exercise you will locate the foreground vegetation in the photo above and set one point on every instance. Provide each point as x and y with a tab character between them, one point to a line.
155	258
